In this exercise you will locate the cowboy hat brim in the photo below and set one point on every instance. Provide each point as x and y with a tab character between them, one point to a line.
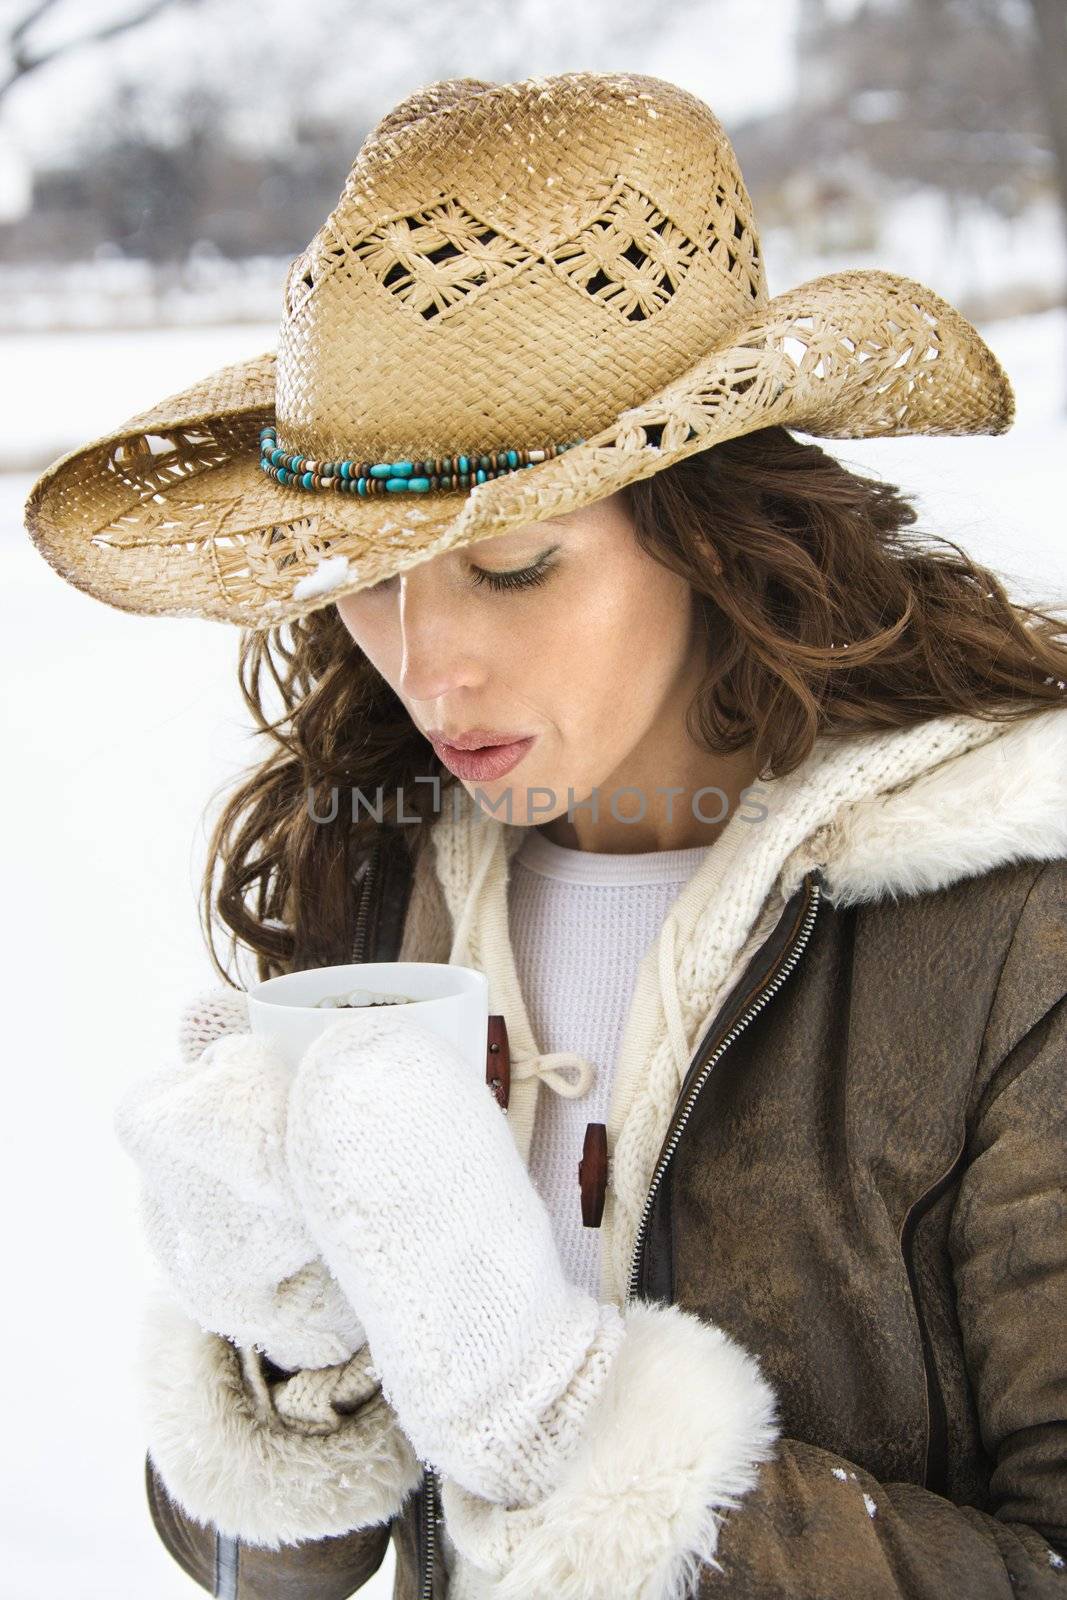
171	515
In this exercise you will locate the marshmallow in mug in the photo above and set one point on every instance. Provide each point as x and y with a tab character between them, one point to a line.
364	997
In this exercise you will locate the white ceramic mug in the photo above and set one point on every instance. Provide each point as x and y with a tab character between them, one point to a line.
452	1001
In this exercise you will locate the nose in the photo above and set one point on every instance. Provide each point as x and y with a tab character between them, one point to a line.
438	649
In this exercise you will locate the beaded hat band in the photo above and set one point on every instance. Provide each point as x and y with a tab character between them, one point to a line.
396	477
570	258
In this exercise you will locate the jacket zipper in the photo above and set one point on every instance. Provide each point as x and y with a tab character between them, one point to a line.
366	900
227	1566
769	988
430	1524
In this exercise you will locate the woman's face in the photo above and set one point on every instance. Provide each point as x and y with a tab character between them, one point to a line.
564	631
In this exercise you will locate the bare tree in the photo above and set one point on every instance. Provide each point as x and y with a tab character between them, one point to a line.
23	59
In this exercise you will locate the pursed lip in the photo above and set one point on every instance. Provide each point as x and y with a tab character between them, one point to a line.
486	764
475	739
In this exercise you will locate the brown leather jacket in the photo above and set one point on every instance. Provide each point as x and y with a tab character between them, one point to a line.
864	1180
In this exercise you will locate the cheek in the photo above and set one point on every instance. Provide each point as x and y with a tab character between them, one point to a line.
605	664
634	638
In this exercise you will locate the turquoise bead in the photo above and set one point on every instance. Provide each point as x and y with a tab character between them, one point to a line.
398	477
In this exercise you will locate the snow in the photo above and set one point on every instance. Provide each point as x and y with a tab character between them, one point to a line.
123	732
971	258
110	290
74	386
330	572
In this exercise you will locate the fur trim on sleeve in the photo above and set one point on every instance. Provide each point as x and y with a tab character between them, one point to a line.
673	1443
231	1460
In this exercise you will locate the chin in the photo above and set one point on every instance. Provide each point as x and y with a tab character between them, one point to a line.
508	802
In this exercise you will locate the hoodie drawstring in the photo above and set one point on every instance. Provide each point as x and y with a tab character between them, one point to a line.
550	1067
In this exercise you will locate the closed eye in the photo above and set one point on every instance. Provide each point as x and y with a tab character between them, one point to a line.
520	578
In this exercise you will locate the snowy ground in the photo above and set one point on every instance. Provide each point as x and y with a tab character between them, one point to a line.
122	730
74	386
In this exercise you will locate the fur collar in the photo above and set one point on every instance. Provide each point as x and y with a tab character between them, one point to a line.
1000	799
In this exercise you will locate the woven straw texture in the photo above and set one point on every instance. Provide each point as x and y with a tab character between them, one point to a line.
509	266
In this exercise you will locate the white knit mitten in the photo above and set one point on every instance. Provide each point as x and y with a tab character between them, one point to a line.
207	1017
217	1207
415	1191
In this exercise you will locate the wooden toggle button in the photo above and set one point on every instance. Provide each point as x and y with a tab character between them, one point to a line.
593	1173
498	1061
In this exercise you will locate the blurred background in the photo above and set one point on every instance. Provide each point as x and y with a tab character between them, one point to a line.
160	164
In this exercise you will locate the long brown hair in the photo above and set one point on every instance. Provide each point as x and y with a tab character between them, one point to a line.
825	617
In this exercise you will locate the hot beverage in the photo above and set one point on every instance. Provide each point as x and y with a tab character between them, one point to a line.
364	997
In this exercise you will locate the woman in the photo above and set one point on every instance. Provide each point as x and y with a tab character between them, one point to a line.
808	1339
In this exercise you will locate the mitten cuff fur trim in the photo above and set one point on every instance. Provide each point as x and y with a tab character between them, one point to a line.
674	1441
231	1459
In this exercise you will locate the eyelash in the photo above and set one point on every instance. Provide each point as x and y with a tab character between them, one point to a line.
523	578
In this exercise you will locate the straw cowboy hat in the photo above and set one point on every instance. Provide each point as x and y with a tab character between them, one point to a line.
528	295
